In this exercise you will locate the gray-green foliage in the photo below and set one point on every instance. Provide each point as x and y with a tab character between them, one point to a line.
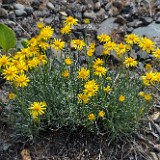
63	110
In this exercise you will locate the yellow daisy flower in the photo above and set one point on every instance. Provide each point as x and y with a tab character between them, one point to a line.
66	29
83	98
58	44
65	74
78	44
21	80
68	61
37	109
70	21
11	95
131	39
130	62
156	53
121	98
46	32
91	117
101	114
83	73
149	78
103	38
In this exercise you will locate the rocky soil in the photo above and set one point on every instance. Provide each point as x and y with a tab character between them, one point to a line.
113	17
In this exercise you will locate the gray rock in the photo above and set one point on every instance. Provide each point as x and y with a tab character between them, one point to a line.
48	20
50	6
152	30
100	13
8	1
113	11
12	16
35	4
18	6
97	6
121	20
158	20
29	10
146	20
7	6
136	23
108	6
19	13
78	15
143	55
41	13
107	26
63	13
130	30
3	13
98	51
90	14
57	8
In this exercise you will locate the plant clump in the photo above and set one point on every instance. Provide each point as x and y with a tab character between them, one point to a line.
52	89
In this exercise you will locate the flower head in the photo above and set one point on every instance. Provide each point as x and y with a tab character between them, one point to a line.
78	44
70	21
68	61
146	44
109	46
90	88
98	62
66	29
148	66
86	21
141	94
58	44
147	97
91	117
100	71
130	62
4	60
121	98
83	98
149	78
131	39
101	114
12	95
21	80
83	73
40	25
107	89
156	53
46	32
10	73
37	109
103	38
65	73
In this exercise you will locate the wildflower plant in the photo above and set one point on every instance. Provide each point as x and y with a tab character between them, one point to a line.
53	94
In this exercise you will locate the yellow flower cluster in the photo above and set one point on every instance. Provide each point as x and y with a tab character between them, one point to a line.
146	96
90	90
92	116
15	67
91	50
99	70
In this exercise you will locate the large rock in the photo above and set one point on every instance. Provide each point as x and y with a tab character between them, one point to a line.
152	30
3	13
107	26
